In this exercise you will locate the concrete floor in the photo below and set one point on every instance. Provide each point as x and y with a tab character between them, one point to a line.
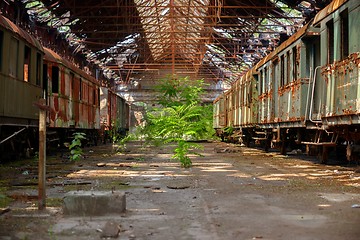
231	192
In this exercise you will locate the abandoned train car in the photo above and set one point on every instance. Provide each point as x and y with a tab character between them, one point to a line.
306	92
29	72
73	98
21	58
114	114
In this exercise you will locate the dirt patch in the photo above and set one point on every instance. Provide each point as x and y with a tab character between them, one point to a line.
231	192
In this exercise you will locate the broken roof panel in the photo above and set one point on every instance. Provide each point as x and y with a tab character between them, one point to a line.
217	40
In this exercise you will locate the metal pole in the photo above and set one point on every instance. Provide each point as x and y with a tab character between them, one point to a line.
42	156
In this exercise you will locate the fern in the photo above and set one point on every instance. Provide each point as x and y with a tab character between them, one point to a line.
182	117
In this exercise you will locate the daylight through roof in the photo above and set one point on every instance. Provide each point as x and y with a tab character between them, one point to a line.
133	43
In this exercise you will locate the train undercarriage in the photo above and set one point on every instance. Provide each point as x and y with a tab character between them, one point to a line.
18	142
344	140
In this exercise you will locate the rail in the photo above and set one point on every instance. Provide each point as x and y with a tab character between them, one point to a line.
13	135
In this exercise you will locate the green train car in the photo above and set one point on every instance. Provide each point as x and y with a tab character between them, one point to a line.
29	72
305	93
21	62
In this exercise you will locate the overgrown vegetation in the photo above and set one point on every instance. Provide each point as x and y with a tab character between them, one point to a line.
181	117
75	147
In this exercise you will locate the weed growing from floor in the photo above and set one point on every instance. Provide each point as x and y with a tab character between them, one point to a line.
75	147
181	117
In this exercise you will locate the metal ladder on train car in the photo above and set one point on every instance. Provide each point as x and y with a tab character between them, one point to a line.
320	144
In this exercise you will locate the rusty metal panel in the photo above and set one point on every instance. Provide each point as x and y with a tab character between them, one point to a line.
222	111
216	116
15	106
59	114
235	103
334	5
74	86
229	108
344	78
254	105
266	99
68	110
104	110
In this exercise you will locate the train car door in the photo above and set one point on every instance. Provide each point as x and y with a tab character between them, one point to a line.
74	99
313	64
319	86
274	84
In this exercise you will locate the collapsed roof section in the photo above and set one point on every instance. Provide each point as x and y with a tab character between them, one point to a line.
217	40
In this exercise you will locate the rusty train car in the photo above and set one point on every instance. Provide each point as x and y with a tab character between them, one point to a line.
73	98
113	108
29	72
305	93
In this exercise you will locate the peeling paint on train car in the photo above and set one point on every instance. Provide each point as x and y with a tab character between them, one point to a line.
76	103
344	78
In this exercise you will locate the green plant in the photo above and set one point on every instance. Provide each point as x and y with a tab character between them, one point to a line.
182	117
183	150
75	147
121	142
228	130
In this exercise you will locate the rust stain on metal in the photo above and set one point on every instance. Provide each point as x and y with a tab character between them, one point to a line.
292	86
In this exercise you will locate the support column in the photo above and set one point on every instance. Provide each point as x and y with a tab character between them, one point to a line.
42	155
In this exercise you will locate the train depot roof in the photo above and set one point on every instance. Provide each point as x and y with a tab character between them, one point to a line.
134	42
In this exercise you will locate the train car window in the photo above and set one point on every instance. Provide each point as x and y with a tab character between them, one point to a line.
72	84
55	79
265	79
98	96
344	16
238	101
241	95
13	61
282	70
45	79
259	81
1	49
38	69
287	80
80	89
294	63
234	99
330	41
27	61
250	93
94	95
